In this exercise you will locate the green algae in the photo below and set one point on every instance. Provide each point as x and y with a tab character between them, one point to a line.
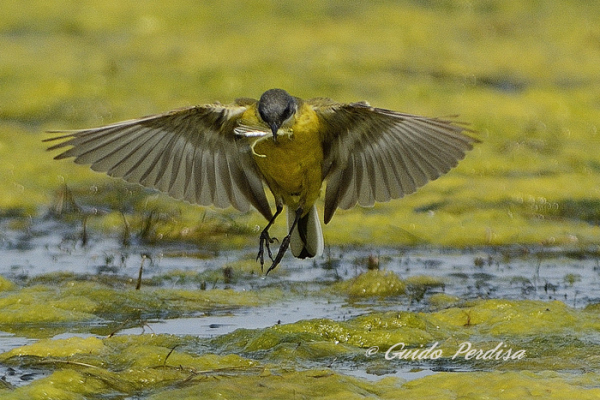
499	385
324	384
42	305
231	273
93	366
321	384
281	358
6	285
515	325
43	311
527	89
532	179
441	300
371	283
57	348
382	283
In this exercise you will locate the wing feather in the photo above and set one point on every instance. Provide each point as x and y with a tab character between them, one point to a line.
190	153
373	154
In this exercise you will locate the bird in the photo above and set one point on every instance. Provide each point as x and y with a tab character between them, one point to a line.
225	155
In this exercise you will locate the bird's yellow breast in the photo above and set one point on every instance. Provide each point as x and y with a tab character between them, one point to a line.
292	165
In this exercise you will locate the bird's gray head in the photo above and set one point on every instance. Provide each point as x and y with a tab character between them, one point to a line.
275	107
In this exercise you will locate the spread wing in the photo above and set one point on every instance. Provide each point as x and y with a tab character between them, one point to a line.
373	154
191	154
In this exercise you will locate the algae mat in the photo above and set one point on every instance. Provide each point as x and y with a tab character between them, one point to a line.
498	258
411	322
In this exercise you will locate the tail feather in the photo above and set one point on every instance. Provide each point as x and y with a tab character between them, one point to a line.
307	238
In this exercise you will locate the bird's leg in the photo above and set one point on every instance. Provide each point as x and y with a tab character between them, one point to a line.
265	239
285	243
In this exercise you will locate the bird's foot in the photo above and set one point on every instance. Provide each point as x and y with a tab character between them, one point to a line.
264	242
285	243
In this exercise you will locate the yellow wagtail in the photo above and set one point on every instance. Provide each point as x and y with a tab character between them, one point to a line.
222	154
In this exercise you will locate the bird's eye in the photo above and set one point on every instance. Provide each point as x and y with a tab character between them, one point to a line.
289	110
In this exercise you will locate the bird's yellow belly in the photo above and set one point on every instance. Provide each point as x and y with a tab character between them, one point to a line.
292	165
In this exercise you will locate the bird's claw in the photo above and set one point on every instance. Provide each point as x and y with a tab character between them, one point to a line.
285	243
264	242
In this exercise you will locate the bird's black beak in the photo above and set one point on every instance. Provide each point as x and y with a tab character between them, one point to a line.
274	129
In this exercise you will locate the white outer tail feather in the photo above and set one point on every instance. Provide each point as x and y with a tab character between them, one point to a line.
314	235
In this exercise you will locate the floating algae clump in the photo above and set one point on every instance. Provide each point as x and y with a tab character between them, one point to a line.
372	283
57	348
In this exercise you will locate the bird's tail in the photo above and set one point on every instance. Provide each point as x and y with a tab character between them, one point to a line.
307	238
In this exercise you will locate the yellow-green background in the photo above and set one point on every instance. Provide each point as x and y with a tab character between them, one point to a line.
525	74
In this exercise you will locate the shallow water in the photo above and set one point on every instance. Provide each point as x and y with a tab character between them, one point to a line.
508	273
